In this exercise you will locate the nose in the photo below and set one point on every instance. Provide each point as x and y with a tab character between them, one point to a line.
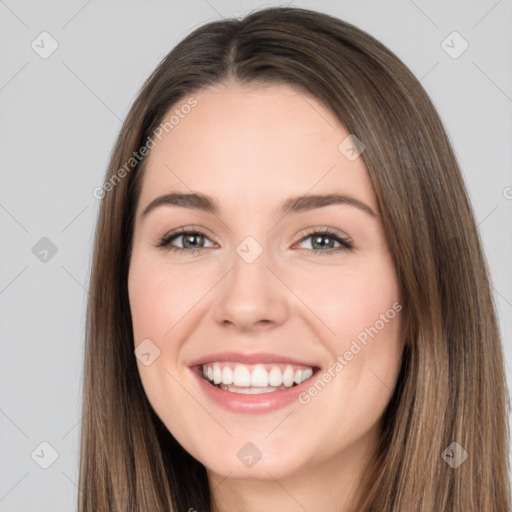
251	297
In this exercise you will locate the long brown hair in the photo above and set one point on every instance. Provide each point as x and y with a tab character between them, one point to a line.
451	387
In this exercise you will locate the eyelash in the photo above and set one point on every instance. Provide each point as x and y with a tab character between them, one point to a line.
164	242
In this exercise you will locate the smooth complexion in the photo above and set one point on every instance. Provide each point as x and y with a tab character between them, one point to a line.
250	149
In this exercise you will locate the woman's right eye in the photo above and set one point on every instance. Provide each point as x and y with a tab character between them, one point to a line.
189	241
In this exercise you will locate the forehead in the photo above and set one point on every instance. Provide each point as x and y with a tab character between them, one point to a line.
252	145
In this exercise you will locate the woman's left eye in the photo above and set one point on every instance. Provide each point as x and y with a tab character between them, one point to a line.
319	238
193	241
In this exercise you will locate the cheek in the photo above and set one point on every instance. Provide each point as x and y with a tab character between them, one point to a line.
160	296
365	305
363	312
366	347
351	302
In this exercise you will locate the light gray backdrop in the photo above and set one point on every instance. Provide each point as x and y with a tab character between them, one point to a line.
69	72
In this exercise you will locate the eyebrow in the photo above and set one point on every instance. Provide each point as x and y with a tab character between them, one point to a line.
293	204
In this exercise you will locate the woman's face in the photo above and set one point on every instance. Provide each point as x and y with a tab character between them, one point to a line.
262	297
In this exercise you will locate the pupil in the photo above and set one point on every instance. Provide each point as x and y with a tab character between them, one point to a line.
321	237
187	239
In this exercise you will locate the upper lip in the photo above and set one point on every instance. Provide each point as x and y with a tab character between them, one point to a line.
250	358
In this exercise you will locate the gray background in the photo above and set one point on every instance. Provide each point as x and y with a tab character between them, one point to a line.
59	119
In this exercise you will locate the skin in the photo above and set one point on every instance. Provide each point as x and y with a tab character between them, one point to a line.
250	148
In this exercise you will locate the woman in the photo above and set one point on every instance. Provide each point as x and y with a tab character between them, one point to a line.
229	368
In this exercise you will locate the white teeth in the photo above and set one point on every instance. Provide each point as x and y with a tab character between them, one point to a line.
241	376
306	374
230	376
248	391
274	377
288	377
259	377
227	375
217	374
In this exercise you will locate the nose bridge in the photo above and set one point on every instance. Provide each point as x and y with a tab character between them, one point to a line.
250	293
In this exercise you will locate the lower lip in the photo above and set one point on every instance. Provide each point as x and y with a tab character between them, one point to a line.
252	404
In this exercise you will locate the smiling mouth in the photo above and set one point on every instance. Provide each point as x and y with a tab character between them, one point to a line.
255	379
